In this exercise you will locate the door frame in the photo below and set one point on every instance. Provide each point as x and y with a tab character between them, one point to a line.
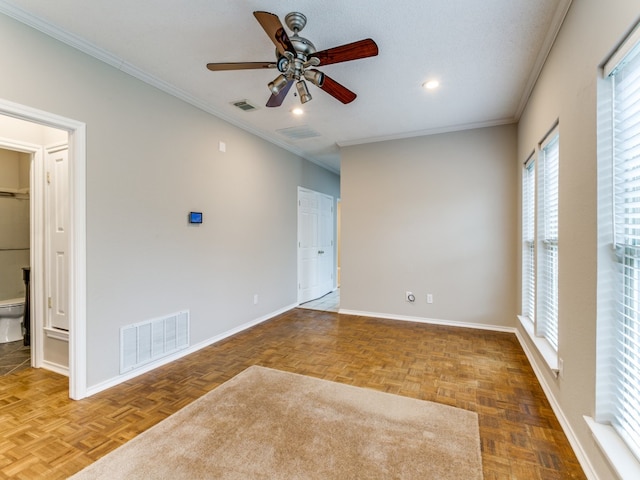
77	283
36	240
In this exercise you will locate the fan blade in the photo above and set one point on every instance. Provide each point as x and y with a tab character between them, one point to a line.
337	91
276	100
219	67
272	25
350	51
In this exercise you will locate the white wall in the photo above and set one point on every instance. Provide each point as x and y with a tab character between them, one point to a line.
150	160
434	214
566	91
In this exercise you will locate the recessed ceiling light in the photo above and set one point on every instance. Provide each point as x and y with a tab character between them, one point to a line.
297	111
431	84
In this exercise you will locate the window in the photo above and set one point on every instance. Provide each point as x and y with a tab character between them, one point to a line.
539	315
618	338
529	240
547	300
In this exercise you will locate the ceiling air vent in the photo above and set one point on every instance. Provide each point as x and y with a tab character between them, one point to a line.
244	105
298	133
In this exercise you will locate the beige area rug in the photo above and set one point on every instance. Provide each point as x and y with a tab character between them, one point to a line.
268	424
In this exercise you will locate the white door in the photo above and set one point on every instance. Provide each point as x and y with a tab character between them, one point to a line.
57	274
315	244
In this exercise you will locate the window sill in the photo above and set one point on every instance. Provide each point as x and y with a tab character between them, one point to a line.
545	349
615	450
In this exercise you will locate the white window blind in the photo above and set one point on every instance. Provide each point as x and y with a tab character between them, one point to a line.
528	240
626	173
547	305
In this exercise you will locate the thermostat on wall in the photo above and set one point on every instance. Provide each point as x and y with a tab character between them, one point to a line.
195	217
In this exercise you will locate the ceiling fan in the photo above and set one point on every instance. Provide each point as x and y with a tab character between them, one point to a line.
295	58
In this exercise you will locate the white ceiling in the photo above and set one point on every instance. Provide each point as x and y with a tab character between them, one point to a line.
485	53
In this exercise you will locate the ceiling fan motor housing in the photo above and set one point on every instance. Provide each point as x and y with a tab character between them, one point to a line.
303	46
294	67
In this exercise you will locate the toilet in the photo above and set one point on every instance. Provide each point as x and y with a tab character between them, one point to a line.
11	316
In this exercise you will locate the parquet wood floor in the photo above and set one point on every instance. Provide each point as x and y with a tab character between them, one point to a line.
43	434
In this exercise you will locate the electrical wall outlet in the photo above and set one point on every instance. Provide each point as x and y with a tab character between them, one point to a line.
255	299
429	298
409	297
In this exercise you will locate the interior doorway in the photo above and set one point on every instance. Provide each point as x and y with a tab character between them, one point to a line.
316	245
15	216
44	189
29	130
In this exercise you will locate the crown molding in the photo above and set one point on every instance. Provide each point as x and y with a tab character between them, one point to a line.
549	40
118	63
432	131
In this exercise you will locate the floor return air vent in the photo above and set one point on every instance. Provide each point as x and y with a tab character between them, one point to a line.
144	342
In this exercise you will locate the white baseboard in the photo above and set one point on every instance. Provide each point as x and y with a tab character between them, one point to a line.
564	423
432	321
583	458
182	353
55	367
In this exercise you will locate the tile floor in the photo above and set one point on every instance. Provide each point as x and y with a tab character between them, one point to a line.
329	303
14	356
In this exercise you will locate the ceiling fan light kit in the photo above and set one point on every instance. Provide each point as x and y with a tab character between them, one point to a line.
303	91
278	84
296	58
